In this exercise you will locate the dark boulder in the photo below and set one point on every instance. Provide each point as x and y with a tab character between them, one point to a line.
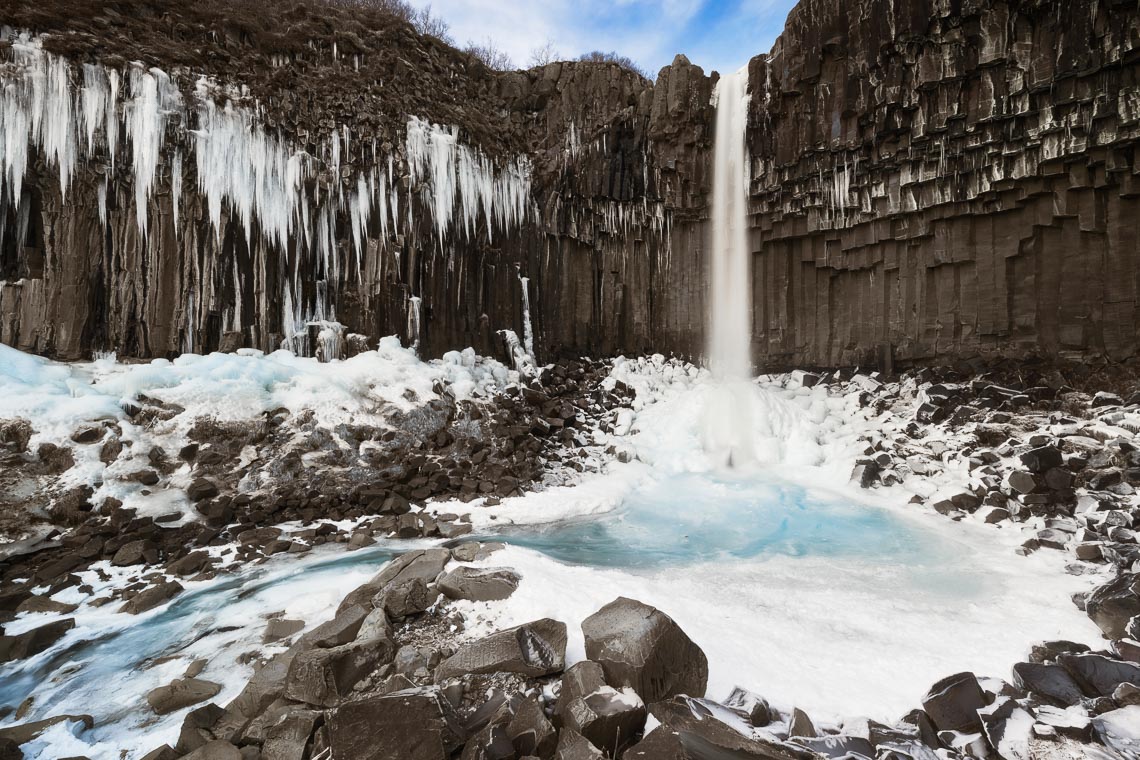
29	643
710	730
479	584
1098	675
1050	682
324	677
1112	605
953	703
611	720
1042	459
640	646
180	693
416	724
532	649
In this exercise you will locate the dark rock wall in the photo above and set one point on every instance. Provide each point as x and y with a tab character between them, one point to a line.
932	180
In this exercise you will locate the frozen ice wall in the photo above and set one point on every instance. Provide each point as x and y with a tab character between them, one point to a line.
321	211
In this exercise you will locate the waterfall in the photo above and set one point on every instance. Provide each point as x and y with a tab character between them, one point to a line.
728	423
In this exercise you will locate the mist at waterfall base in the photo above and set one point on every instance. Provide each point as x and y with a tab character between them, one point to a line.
730	303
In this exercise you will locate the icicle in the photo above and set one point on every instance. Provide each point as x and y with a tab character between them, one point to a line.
176	184
414	322
528	332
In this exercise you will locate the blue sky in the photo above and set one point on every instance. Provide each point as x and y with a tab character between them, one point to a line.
715	34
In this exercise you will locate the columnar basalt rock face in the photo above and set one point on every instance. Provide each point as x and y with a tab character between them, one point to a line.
946	179
931	181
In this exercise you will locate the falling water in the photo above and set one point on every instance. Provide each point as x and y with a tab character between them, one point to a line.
728	429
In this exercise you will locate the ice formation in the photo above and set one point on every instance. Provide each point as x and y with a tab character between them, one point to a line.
247	173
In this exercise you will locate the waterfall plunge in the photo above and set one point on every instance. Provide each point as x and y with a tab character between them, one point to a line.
728	423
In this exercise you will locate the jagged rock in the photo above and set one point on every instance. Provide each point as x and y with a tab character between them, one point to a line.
181	693
573	746
641	647
611	720
752	706
801	725
417	724
325	676
474	551
400	600
836	746
288	737
1119	730
479	584
531	649
580	679
281	628
953	703
720	732
659	744
422	565
215	750
530	732
1008	728
135	553
201	489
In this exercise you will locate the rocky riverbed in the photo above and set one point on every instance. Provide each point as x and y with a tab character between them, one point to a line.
142	495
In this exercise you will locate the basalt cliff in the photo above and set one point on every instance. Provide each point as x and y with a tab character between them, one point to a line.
931	181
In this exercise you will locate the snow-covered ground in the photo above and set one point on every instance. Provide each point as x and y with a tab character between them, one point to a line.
858	621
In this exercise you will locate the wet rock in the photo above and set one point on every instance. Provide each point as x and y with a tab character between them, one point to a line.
423	565
45	604
281	628
752	706
152	597
479	584
474	551
1103	399
1008	728
641	647
532	649
417	724
1112	605
87	434
1049	682
610	719
580	679
953	703
661	743
25	732
181	693
29	643
1098	675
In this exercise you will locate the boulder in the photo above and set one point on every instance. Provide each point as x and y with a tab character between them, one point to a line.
752	706
1112	605
400	600
718	731
179	693
29	643
280	628
25	732
1119	730
326	676
215	750
479	584
416	724
573	746
151	597
422	564
1049	682
532	649
475	551
641	647
953	703
1043	458
610	719
580	679
530	732
201	489
135	553
800	725
662	743
288	737
1098	675
1008	728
